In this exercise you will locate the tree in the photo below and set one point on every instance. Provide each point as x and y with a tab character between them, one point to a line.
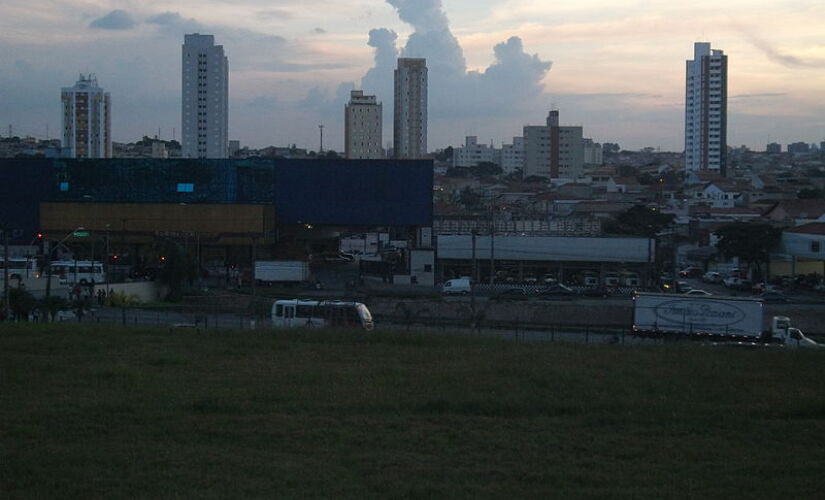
639	220
470	199
627	171
485	168
810	194
22	303
51	305
457	172
445	154
178	270
750	242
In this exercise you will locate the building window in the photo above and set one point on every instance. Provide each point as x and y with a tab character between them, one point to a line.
64	186
184	187
815	247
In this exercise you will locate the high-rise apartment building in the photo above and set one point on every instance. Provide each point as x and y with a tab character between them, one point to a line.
87	119
706	110
553	150
363	127
410	109
205	91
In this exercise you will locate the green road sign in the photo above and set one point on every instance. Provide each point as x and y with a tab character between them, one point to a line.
80	234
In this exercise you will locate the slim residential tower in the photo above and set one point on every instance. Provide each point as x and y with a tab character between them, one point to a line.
362	127
706	110
205	90
87	119
410	113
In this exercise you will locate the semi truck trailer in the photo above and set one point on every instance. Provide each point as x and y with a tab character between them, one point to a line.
727	318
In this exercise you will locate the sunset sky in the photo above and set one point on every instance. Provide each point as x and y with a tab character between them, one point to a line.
617	68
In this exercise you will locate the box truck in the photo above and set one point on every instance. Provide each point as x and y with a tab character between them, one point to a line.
269	272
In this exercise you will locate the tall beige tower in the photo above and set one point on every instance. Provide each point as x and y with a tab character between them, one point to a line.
410	109
363	127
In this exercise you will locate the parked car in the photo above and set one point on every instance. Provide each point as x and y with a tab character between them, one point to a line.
555	292
596	291
691	272
712	277
735	283
696	291
511	294
681	286
773	297
762	287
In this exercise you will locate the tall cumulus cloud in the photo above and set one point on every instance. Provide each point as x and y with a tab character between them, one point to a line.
115	20
512	83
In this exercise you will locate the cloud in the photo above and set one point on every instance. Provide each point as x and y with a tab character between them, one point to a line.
320	31
758	96
173	24
275	14
786	60
511	85
115	20
290	67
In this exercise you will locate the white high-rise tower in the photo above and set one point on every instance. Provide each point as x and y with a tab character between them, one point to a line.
706	110
410	117
205	91
87	119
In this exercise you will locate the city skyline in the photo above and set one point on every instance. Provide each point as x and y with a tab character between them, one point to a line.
619	72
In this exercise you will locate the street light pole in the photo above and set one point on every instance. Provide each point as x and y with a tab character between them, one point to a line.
49	259
106	261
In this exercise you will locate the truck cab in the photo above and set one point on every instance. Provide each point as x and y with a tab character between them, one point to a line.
782	330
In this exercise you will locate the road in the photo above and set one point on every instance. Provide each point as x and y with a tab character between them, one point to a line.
207	321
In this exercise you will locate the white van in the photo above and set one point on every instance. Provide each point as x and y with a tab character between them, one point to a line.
457	286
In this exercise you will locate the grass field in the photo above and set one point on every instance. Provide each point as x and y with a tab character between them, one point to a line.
105	412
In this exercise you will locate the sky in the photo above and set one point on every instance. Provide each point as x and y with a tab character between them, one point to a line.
616	68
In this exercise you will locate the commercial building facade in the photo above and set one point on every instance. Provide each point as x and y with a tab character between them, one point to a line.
87	119
205	98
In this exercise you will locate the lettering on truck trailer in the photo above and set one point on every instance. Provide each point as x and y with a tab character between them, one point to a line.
684	311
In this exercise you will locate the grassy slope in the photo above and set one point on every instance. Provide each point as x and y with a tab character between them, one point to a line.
109	412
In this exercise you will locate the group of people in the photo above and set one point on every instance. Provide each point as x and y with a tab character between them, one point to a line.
78	290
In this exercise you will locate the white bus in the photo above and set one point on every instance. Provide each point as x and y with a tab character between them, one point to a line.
297	313
81	272
20	268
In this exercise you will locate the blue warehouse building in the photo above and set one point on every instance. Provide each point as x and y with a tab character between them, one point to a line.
284	208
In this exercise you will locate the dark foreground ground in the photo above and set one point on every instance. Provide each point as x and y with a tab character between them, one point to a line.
92	411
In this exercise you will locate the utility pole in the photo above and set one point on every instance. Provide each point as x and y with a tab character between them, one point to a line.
6	303
321	149
492	243
473	276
